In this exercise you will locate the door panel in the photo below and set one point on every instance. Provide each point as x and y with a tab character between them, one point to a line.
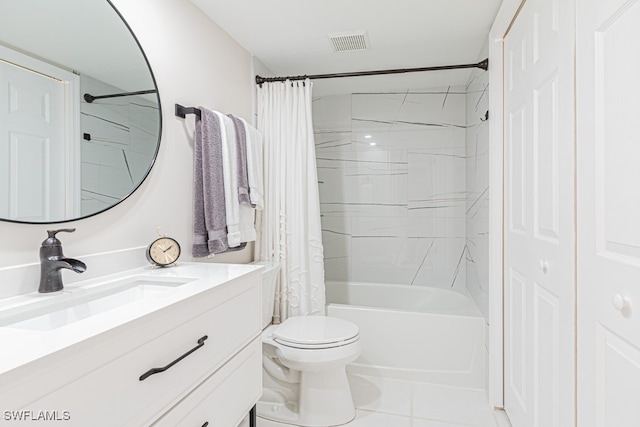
546	342
545	28
545	161
618	371
539	235
29	169
609	208
516	362
616	138
516	170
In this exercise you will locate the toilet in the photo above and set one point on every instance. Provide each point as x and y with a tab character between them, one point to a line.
304	365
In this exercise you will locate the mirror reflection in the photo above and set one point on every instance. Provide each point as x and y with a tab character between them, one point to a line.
79	111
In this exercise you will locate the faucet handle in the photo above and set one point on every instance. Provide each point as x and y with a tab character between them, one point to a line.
52	233
52	240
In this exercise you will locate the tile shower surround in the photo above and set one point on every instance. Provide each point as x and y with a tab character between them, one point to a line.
477	175
393	187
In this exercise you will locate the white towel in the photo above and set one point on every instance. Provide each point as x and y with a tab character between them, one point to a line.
247	227
254	165
229	165
247	212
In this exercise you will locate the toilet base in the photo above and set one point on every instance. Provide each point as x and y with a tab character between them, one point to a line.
325	400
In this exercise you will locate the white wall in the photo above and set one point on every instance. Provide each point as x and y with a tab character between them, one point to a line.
393	212
477	153
195	63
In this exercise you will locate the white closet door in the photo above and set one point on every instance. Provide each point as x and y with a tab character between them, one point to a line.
608	213
539	236
32	145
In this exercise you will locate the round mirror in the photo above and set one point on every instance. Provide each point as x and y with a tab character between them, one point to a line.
80	117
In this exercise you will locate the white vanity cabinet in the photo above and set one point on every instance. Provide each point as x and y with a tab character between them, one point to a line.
207	349
222	400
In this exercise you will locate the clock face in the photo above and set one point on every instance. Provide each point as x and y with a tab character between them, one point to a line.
164	251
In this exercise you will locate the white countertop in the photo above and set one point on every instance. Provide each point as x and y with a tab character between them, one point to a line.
21	346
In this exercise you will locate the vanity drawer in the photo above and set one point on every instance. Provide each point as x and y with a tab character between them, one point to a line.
114	394
226	397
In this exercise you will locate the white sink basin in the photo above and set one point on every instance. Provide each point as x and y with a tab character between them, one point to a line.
44	312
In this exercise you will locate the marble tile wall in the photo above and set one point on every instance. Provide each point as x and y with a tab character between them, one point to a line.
393	196
123	141
477	176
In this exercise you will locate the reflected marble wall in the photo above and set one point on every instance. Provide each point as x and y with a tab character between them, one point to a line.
392	178
123	141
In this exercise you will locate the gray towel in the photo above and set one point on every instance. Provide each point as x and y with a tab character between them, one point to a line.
209	216
243	175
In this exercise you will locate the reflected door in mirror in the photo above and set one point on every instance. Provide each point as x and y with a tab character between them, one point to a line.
34	150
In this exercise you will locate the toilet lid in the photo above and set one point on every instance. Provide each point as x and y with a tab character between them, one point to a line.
314	331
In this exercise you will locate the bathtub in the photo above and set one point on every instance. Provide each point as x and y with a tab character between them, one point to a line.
415	333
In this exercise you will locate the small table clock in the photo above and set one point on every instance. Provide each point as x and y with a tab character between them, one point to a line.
163	251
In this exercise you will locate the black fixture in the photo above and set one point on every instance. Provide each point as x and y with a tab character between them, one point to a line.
253	422
183	111
90	98
484	65
52	260
154	371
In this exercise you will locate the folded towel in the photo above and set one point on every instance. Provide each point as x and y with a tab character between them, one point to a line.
254	165
241	145
229	166
209	216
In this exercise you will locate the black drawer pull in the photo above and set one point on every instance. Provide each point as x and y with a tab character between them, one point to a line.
153	371
205	424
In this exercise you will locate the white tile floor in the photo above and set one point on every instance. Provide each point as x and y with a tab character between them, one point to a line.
384	402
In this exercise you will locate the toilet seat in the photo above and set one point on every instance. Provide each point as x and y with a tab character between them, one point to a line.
315	332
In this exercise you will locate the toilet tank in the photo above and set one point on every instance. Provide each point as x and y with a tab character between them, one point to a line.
269	281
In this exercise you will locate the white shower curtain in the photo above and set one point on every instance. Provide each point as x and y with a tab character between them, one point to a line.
290	223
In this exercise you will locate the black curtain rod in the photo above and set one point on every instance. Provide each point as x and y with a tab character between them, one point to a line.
90	98
482	64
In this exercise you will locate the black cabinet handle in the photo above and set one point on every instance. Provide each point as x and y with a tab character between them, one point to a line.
153	371
205	424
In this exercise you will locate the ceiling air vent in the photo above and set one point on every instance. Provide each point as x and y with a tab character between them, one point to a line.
349	42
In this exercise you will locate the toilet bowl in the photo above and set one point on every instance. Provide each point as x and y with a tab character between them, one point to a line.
304	366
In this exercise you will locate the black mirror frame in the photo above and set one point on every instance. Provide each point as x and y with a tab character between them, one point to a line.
155	154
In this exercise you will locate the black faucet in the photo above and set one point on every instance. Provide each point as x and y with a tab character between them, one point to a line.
52	260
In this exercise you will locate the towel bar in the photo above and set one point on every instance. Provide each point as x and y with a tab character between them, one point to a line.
183	111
